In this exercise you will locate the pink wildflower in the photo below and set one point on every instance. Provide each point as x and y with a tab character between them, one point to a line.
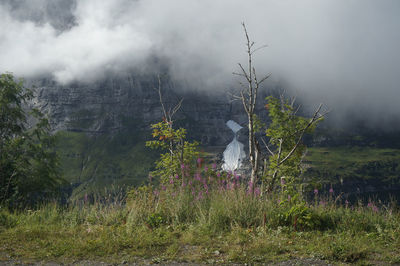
250	189
331	190
197	176
315	191
250	184
200	196
199	162
214	166
237	177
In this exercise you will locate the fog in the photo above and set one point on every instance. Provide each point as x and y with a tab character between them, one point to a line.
344	53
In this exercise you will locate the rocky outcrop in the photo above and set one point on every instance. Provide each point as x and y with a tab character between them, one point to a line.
118	103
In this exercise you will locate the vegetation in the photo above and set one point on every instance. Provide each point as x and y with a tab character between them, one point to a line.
180	154
285	147
92	163
28	164
188	211
330	165
285	132
248	97
213	218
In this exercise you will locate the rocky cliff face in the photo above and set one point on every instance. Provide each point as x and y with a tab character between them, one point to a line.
131	101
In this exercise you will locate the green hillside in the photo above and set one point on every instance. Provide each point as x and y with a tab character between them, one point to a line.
91	163
334	165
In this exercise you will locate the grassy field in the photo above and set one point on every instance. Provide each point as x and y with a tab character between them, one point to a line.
332	165
93	163
208	220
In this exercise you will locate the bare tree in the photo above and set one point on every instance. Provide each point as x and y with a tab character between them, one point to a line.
248	97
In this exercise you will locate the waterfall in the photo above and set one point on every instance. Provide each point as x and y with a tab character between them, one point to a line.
234	152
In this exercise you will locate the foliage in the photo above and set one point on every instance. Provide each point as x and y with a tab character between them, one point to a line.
229	224
155	220
285	134
93	163
180	152
28	163
331	165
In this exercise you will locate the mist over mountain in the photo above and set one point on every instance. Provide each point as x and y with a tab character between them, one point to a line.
342	53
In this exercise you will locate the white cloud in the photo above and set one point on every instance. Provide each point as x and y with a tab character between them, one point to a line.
344	52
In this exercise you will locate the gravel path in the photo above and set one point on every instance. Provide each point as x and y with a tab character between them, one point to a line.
6	260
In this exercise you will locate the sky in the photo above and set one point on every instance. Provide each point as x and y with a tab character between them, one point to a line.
344	53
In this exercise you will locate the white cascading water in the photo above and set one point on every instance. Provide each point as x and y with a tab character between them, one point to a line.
234	152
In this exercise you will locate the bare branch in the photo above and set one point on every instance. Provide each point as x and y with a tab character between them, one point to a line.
255	89
160	95
298	108
246	108
264	78
266	146
245	73
279	151
259	48
315	118
239	74
176	108
292	101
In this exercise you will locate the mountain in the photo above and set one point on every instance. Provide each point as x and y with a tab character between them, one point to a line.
102	127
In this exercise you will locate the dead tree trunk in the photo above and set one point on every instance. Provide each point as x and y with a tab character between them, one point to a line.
248	96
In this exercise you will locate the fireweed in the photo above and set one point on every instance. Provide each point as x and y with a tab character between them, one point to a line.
220	200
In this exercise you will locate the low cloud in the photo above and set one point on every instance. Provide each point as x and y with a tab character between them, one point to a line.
342	52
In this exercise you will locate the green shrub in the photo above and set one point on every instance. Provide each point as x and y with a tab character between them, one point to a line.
7	220
299	216
155	220
345	251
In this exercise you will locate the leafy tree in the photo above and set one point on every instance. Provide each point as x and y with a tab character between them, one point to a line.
285	133
28	163
180	153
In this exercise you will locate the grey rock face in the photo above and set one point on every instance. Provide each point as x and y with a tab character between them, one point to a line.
131	101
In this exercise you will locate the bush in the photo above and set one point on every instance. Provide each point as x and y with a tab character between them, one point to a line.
7	220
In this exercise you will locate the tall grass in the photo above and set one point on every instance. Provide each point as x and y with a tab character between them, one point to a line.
207	209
